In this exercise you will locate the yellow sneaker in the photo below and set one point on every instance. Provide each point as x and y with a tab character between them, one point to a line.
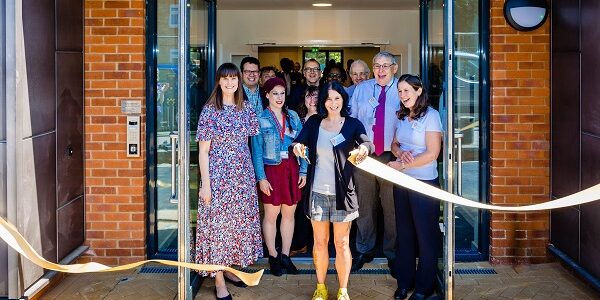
321	292
343	295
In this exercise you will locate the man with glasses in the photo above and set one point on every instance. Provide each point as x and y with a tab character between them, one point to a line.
374	103
312	74
250	67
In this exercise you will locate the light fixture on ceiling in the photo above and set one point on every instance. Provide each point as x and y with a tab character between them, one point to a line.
525	15
321	4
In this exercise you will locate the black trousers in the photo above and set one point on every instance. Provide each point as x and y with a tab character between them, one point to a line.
417	235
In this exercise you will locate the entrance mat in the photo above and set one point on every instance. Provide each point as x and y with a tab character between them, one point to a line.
157	270
475	271
366	271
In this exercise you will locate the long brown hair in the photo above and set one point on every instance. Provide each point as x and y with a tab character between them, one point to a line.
216	97
422	102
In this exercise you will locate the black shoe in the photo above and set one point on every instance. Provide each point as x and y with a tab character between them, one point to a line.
417	296
275	266
360	261
237	283
286	263
228	297
400	294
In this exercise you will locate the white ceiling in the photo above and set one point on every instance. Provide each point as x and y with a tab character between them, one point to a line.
307	4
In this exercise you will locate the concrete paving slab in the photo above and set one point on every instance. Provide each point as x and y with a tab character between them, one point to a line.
545	281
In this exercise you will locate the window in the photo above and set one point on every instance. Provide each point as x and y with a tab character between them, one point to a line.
173	16
323	56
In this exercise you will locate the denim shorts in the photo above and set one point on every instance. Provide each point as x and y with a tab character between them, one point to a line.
322	208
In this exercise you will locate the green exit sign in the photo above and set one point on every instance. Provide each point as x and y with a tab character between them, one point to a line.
315	49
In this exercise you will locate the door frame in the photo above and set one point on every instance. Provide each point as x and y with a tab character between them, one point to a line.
484	121
152	250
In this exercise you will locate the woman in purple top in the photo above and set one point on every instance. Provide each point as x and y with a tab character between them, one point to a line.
228	231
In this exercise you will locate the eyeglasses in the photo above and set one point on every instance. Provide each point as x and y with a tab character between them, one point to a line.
251	72
311	96
333	75
382	67
308	70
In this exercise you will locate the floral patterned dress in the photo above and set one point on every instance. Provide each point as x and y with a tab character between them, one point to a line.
228	231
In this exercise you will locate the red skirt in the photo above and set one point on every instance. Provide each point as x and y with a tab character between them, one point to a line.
284	181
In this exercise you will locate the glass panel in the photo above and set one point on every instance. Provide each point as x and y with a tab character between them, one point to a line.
166	117
435	58
336	56
466	119
435	52
166	121
198	94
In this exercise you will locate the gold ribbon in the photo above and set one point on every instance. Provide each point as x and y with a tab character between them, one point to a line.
388	173
15	240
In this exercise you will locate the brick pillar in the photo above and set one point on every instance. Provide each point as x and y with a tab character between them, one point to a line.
114	183
520	138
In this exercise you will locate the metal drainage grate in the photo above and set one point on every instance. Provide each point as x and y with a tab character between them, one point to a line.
158	270
329	271
477	271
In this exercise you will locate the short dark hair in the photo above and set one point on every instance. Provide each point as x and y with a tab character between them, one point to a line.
311	60
324	94
251	60
422	102
266	69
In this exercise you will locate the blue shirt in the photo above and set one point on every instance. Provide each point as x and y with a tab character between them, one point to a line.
350	90
362	110
254	99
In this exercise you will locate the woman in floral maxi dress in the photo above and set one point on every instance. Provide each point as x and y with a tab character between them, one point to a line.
228	231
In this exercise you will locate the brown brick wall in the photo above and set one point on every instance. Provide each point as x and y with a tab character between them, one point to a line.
114	184
520	138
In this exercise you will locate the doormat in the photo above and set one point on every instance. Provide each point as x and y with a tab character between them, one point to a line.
475	271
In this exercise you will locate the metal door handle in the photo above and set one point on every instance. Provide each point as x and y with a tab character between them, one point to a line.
173	136
458	136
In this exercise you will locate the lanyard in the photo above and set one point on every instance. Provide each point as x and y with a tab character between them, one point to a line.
383	87
280	128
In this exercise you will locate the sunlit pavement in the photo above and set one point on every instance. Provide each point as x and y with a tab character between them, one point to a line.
543	281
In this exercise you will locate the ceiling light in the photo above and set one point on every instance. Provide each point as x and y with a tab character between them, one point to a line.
322	4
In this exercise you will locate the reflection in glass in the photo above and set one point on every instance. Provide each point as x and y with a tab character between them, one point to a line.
466	117
166	117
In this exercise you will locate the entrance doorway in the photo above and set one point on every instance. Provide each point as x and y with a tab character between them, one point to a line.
412	30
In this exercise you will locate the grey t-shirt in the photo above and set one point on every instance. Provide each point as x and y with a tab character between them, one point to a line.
324	181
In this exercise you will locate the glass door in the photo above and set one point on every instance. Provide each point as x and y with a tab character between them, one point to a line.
455	71
163	114
468	162
180	57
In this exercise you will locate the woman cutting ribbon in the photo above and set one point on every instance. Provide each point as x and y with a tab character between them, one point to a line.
279	176
328	137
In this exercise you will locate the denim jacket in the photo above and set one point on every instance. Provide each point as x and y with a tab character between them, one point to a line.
266	145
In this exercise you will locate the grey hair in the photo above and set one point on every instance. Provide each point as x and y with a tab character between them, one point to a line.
360	62
384	54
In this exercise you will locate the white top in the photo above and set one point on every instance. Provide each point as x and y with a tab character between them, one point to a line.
324	181
365	112
411	136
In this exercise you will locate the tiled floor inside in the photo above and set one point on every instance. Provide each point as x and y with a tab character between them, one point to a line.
544	281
